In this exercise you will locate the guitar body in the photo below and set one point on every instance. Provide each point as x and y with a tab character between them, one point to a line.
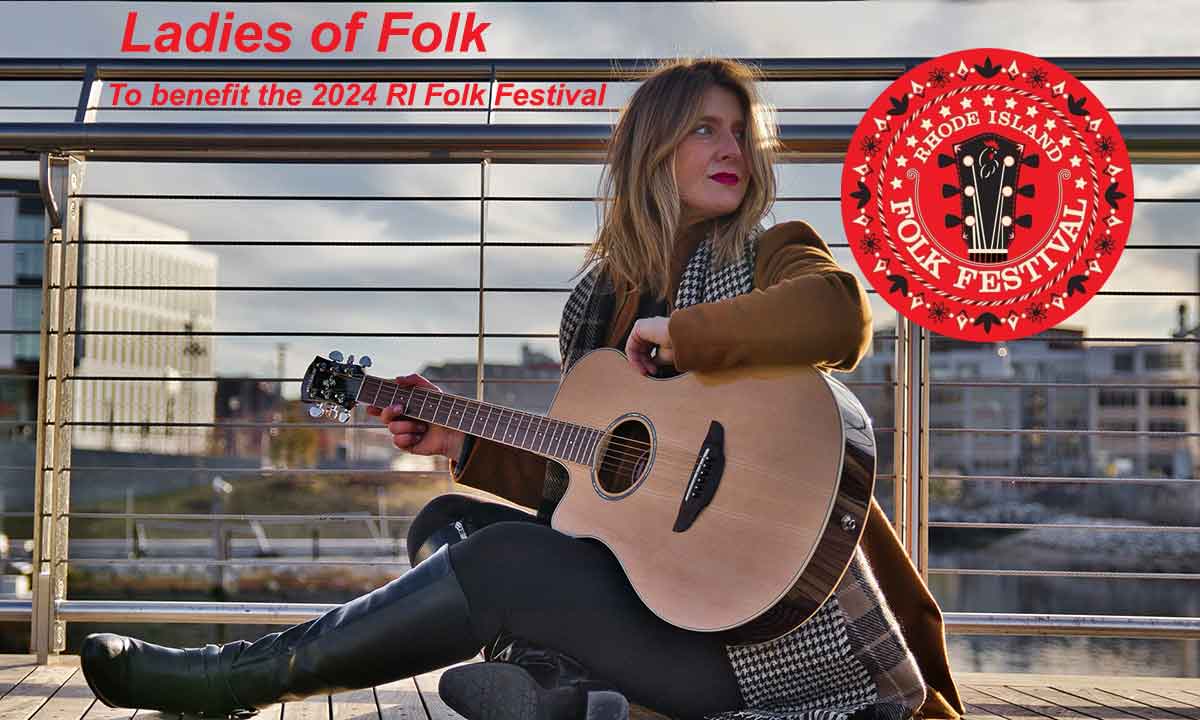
790	503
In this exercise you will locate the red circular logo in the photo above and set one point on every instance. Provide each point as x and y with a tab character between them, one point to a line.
987	195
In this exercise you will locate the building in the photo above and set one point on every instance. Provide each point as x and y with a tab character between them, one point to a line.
22	221
1049	366
111	255
1164	409
115	257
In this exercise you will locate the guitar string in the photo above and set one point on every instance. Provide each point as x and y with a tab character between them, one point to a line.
525	423
996	235
672	454
669	455
682	458
525	420
976	234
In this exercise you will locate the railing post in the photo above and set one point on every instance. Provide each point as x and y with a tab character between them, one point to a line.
920	488
480	350
900	434
43	484
53	452
912	441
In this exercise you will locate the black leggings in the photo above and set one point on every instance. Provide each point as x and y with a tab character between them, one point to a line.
570	594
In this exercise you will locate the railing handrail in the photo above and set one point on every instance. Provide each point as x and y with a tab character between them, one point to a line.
434	143
291	613
577	69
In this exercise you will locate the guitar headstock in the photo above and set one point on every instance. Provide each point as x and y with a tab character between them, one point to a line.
332	385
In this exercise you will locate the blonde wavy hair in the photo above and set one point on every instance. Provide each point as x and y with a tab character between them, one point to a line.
638	196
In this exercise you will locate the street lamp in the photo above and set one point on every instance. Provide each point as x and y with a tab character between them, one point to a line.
192	349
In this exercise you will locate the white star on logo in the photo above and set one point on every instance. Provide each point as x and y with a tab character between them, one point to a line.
944	111
926	124
896	183
966	103
1032	111
1080	184
1010	103
902	161
988	100
1075	161
1050	124
1065	140
910	141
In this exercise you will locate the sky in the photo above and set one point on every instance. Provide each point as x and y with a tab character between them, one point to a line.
569	30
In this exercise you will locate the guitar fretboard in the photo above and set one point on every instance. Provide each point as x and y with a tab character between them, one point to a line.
545	436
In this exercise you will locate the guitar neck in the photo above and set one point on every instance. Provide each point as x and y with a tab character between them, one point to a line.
555	439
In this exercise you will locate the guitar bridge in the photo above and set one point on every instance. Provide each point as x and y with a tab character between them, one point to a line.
705	477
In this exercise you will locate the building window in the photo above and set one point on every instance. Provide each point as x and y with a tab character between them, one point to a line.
1123	361
1118	398
1168	426
1167	398
1163	360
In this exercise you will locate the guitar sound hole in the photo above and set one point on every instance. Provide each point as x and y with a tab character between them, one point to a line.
625	457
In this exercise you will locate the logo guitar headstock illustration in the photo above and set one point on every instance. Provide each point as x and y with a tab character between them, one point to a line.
987	195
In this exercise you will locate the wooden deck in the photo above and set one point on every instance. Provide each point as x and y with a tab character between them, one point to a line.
59	692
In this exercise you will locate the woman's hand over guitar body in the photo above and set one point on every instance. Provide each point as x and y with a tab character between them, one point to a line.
416	436
647	334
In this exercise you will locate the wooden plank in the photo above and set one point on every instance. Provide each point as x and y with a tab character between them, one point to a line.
71	702
1128	705
400	700
1174	694
975	712
310	708
1095	681
270	712
31	693
983	705
14	669
1158	702
427	685
355	705
1080	701
1031	703
641	712
100	711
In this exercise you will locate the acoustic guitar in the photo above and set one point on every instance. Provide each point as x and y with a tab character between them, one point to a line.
733	500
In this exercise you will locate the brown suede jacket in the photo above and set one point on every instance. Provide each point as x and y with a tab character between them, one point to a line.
805	309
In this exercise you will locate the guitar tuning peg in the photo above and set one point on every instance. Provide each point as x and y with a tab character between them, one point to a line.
335	356
364	361
315	411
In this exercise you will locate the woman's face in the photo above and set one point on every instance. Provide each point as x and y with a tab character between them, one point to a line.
709	164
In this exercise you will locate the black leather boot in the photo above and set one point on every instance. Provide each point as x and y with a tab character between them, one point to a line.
417	623
522	681
505	691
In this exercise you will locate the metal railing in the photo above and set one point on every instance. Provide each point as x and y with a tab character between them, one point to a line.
63	150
